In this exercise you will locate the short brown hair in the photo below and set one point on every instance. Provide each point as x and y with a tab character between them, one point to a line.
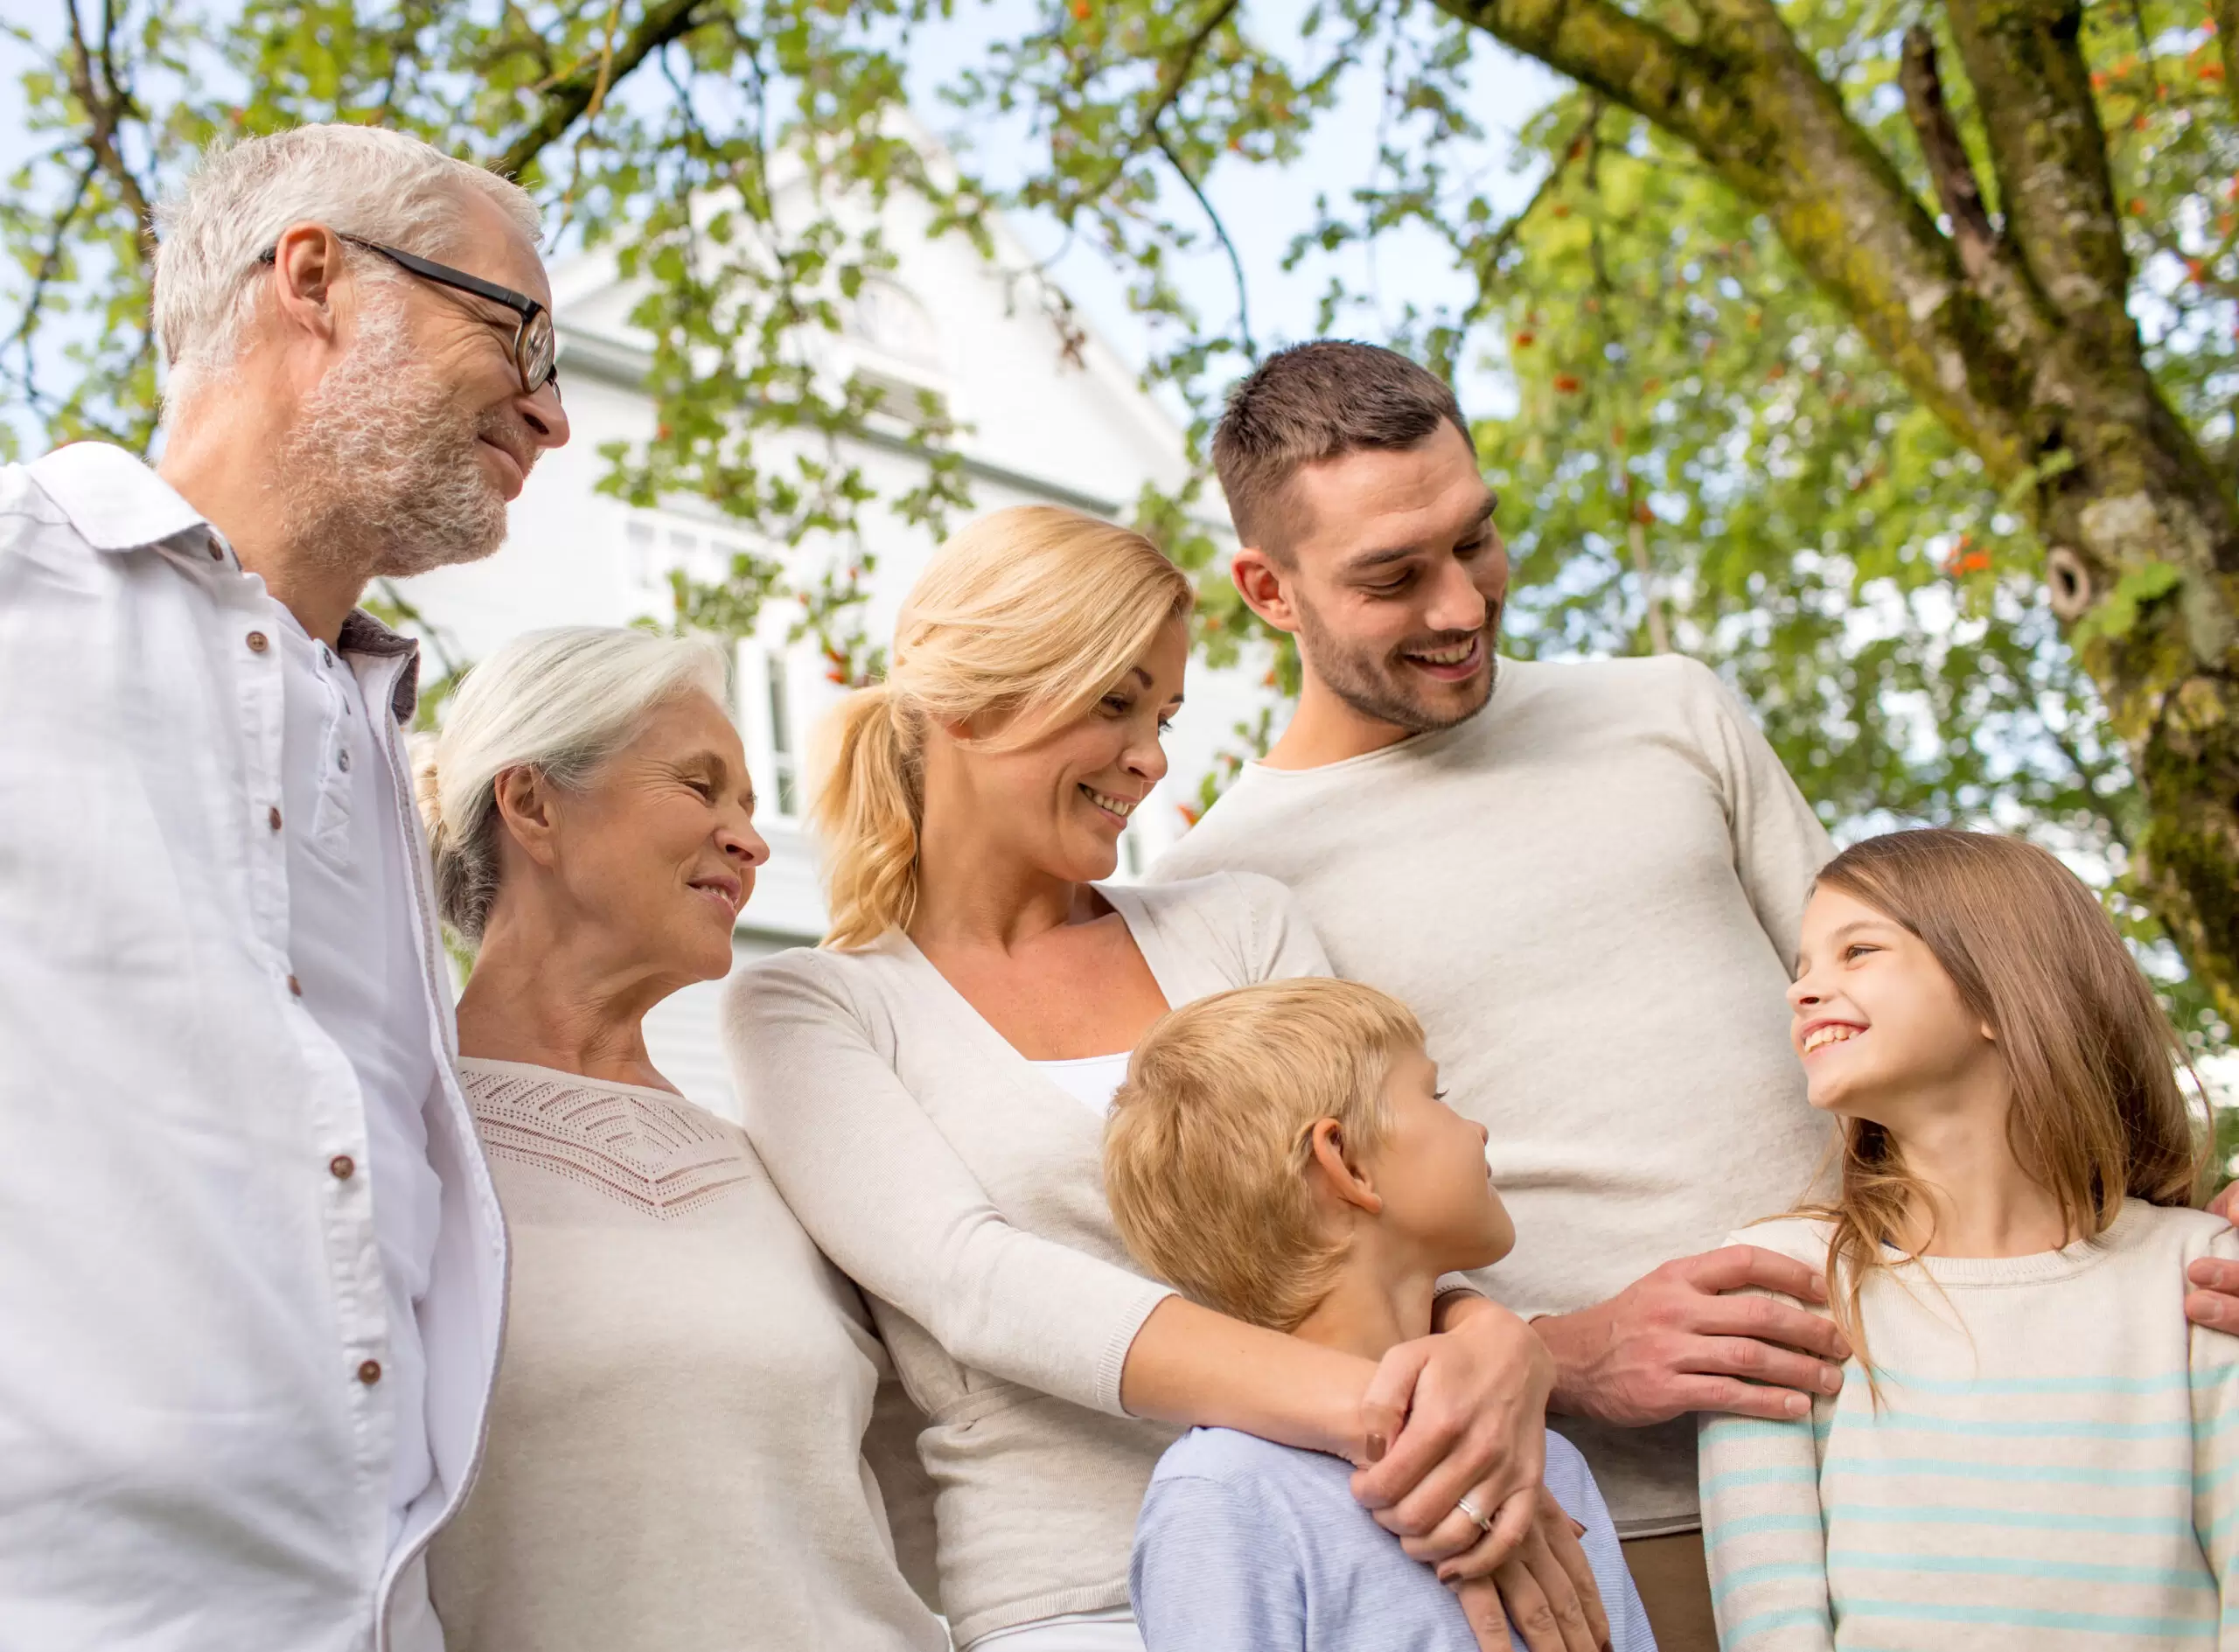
1317	401
2098	1115
1206	1150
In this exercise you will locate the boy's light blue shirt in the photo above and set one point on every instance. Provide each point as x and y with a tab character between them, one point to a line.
1248	1546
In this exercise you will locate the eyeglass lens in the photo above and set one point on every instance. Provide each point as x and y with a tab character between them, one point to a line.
537	349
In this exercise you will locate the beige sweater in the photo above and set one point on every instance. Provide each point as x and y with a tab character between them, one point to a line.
676	1456
2051	1463
1590	894
963	1191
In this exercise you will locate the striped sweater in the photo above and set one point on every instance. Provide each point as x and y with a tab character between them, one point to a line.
2054	1461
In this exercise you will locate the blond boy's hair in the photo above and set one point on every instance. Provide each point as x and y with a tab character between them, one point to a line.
1206	1151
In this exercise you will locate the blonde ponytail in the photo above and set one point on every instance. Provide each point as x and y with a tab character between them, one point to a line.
1026	618
871	804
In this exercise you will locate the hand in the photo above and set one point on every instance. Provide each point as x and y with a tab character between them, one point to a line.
1675	1342
2215	1303
1465	1412
1547	1589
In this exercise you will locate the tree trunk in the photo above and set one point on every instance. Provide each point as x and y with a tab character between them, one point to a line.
2017	335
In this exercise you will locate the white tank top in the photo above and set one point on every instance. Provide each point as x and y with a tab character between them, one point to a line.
1090	1080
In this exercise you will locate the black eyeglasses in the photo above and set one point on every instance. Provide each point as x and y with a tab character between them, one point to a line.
536	349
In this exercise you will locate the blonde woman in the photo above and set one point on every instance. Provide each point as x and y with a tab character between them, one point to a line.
929	1089
676	1458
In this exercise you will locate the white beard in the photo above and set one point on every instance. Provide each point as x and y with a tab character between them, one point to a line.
381	472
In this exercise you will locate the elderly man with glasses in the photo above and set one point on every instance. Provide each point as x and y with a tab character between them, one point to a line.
252	1269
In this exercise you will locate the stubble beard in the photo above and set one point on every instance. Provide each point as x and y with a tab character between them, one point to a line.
381	470
1378	686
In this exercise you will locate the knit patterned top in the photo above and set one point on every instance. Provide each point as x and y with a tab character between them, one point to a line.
2055	1460
676	1456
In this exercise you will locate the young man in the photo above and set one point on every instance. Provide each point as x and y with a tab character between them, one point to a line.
1283	1153
1586	878
251	1265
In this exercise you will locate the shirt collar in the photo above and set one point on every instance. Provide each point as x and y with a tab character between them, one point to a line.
114	501
117	503
363	634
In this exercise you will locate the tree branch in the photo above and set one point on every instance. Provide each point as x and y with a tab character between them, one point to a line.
2225	13
1948	165
1220	229
1750	102
106	106
573	93
2033	90
1173	76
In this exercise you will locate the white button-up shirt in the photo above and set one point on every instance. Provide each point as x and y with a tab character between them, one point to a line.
198	1444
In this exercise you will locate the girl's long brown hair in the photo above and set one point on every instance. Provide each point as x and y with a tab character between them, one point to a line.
2098	1115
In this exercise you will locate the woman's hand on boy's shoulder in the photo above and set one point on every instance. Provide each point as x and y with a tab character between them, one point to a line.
1463	1412
2214	1300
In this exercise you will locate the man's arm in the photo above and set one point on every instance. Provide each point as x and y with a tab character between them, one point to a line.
1683	1339
1779	843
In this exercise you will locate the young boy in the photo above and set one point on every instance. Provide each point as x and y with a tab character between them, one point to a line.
1281	1154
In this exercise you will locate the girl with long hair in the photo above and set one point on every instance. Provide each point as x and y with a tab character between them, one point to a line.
928	1090
2033	1448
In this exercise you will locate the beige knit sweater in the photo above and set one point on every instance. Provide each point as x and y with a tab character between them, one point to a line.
676	1456
962	1189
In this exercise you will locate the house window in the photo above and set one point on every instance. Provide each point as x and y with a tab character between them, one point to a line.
784	764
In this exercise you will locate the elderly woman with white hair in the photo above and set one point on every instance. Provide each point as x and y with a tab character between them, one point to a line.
675	1457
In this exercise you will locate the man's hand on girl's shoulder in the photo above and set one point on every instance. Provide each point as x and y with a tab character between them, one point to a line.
1708	1333
2214	1300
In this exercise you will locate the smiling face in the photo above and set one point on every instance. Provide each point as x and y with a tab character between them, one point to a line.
1430	1169
659	850
1392	577
1059	802
1880	1028
407	449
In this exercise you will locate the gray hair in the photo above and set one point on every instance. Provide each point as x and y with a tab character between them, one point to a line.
558	702
361	180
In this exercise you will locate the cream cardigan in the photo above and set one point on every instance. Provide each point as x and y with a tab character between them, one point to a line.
962	1191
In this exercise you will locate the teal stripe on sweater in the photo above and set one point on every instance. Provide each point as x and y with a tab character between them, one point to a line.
2000	1566
1985	1428
1770	1571
1787	1474
1767	1620
2033	1519
2056	1474
2164	1382
2028	1618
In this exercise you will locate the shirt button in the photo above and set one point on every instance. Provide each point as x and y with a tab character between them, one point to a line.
342	761
343	1166
258	642
295	987
370	1372
273	815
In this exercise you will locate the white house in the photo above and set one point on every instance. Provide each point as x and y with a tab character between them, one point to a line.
1050	417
